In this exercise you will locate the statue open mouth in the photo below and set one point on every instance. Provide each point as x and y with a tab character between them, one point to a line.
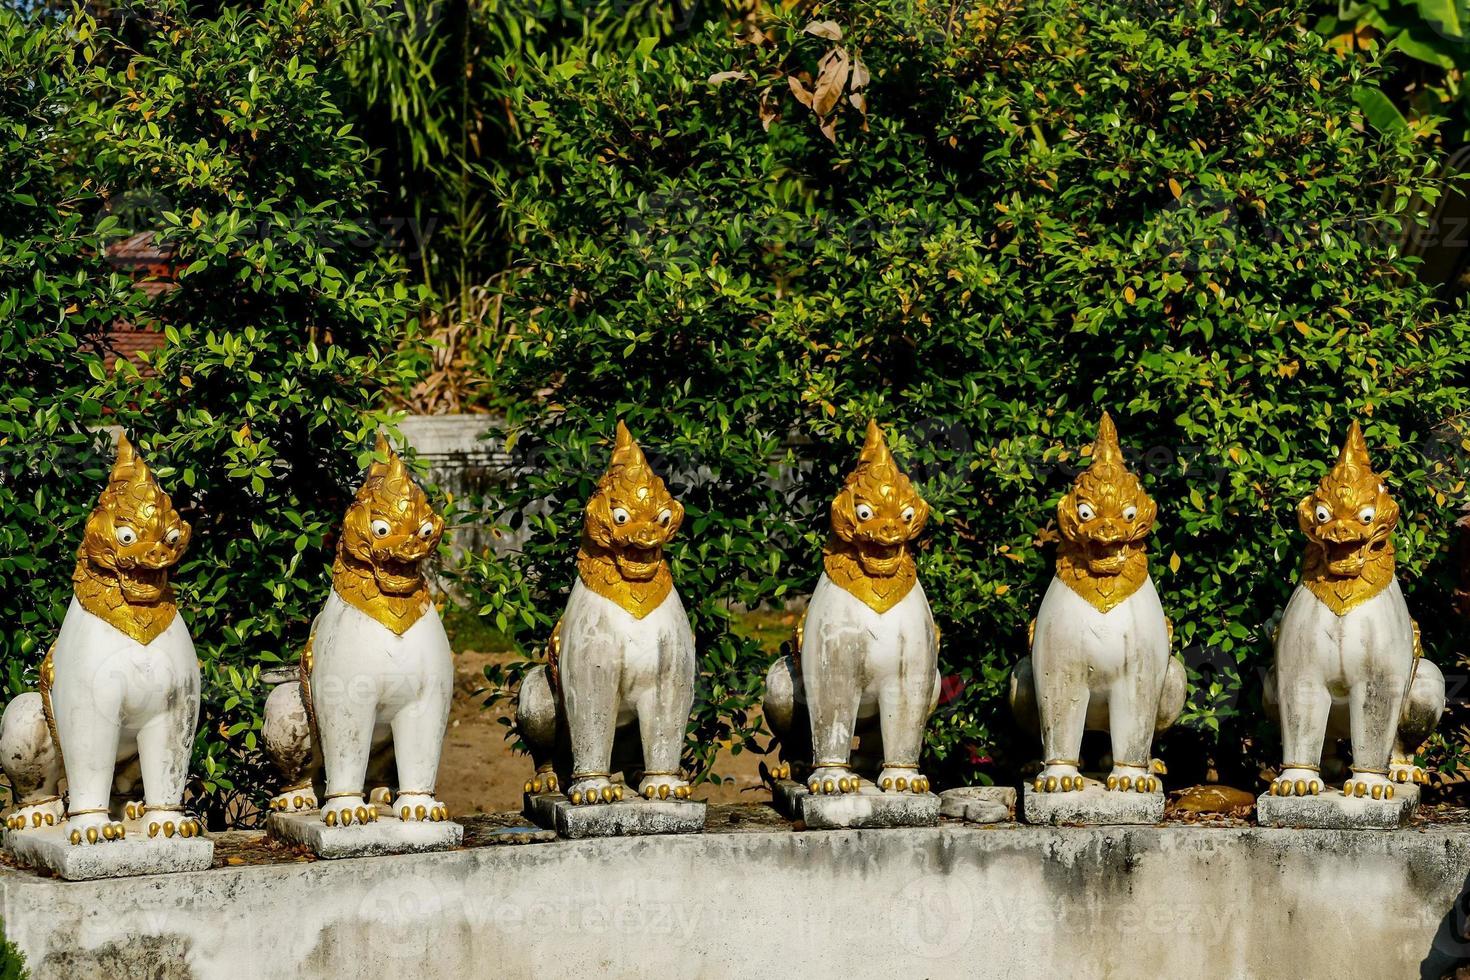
1109	559
1346	558
638	563
396	577
142	585
878	559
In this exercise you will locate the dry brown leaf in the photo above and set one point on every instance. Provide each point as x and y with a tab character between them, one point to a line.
829	129
800	91
769	112
831	80
825	29
860	76
859	102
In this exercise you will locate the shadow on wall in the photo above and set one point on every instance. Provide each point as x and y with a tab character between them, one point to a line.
1450	949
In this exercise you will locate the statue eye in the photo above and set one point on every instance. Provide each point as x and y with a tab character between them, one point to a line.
1323	514
1130	512
864	512
1086	512
621	516
173	536
426	530
1367	514
125	535
907	515
381	528
664	516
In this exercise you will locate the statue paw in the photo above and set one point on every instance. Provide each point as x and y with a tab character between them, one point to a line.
900	780
1297	782
344	811
1133	780
93	828
1407	772
421	807
380	796
43	813
167	823
1058	779
294	799
594	789
780	770
663	787
134	810
833	779
544	781
1368	785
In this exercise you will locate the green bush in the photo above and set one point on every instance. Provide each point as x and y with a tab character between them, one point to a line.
981	225
219	136
54	304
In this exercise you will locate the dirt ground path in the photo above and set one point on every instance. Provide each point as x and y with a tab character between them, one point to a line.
480	773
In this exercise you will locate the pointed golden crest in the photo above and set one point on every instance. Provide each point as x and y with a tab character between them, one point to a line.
133	539
628	520
874	517
1349	521
1104	520
388	532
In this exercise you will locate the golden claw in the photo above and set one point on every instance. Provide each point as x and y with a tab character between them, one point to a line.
76	836
607	794
650	791
528	786
330	819
663	791
888	785
403	814
421	811
576	797
92	835
1112	782
1388	792
362	814
1066	784
1051	784
682	792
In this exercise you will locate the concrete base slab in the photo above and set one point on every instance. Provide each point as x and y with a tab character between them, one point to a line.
136	854
978	804
387	835
1333	811
631	817
1094	805
868	808
1084	903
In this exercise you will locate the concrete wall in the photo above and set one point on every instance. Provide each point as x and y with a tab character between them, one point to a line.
945	902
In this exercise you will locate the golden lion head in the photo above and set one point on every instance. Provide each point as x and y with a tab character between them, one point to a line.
878	512
1349	517
134	536
1106	515
631	515
390	526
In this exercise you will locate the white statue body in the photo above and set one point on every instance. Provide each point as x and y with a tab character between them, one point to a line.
858	665
113	697
120	686
618	687
1097	670
1361	661
616	669
369	683
1347	650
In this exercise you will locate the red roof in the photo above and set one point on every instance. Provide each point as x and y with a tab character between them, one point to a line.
153	267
